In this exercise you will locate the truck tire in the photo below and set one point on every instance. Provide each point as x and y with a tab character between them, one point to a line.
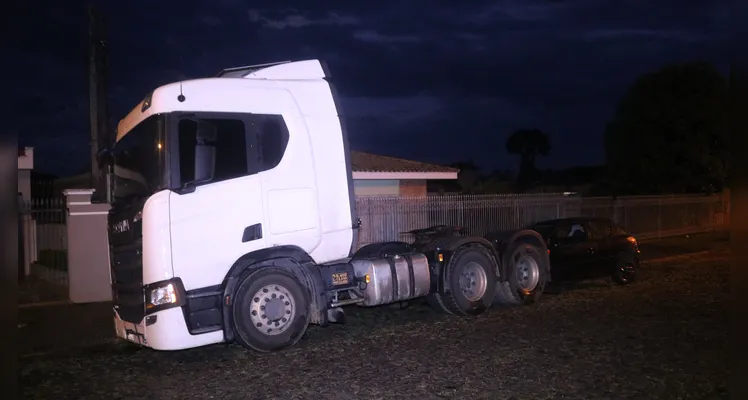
527	274
271	310
471	279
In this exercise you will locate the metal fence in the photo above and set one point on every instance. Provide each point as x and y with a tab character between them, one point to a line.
44	236
385	218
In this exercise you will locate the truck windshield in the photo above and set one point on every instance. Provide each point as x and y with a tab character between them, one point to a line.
139	161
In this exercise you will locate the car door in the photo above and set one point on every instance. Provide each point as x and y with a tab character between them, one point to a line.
572	251
599	237
619	242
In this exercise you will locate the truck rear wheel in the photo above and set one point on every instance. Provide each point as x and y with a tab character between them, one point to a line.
270	310
527	274
471	279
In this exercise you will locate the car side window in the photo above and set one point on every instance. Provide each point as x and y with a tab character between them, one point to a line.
599	229
561	232
577	232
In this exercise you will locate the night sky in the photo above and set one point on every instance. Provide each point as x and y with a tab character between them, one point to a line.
437	81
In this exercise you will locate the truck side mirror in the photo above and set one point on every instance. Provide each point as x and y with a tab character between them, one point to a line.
104	158
205	162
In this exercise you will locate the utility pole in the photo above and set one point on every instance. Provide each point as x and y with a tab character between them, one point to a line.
97	99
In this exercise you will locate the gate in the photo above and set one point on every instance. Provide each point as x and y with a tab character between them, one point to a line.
42	250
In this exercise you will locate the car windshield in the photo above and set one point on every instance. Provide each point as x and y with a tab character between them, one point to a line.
139	161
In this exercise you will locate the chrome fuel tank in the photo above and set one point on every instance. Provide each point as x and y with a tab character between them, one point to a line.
393	278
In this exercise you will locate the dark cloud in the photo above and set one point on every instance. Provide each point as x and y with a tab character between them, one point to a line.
437	80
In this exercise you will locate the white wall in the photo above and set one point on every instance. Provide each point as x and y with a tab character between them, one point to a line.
26	161
376	187
24	183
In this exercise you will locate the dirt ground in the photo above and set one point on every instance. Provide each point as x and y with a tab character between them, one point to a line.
663	337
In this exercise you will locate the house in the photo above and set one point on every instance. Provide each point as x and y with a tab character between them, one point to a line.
25	166
373	175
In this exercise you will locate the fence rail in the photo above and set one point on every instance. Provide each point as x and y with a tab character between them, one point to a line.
385	218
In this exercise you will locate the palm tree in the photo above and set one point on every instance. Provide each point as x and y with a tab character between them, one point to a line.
528	144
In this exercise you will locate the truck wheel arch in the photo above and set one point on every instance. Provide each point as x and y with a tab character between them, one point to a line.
291	258
374	250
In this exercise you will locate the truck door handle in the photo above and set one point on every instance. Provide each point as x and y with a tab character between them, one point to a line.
252	232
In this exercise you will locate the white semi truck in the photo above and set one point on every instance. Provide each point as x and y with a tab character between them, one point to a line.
233	220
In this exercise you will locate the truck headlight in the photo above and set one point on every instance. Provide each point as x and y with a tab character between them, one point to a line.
163	295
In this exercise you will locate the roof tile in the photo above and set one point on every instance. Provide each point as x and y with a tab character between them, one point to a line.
366	162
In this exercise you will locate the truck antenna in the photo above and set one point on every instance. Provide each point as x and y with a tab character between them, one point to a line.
181	97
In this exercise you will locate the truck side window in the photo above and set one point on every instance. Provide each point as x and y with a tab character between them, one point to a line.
272	140
212	150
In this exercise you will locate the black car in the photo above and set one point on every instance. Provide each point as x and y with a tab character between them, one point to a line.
583	248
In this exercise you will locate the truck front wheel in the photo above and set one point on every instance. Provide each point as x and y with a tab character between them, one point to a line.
527	274
270	310
471	279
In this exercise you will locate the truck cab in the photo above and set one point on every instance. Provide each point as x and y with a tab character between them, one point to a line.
244	179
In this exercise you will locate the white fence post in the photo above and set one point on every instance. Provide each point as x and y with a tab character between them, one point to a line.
88	248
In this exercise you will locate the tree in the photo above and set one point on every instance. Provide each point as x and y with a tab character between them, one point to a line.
528	144
469	176
668	134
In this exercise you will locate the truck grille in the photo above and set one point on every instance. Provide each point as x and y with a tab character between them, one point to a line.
127	281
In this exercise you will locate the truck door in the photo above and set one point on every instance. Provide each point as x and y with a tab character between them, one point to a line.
217	215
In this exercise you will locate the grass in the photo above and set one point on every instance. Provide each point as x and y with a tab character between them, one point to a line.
663	337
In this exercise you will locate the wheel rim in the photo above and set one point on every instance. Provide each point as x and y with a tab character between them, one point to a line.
473	281
627	271
273	309
528	273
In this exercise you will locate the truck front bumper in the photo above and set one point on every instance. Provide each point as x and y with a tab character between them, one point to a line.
164	330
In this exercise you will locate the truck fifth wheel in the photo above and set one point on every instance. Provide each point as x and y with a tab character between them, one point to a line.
233	220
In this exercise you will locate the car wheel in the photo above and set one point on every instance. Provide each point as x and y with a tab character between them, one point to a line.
625	269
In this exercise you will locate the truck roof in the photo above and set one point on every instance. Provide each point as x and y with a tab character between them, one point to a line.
306	69
277	71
